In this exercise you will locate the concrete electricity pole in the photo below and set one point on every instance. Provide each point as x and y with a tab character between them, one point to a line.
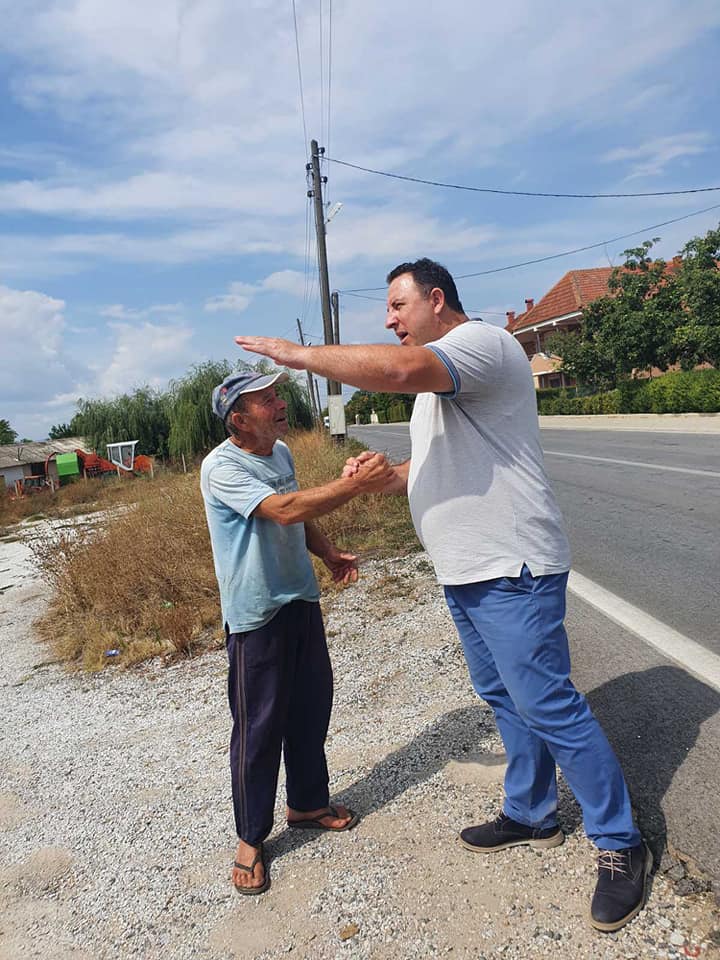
336	410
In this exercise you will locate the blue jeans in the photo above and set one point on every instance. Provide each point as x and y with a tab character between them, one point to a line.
517	653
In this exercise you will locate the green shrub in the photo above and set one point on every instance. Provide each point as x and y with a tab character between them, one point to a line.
683	391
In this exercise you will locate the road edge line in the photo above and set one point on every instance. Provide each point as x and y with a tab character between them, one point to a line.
686	653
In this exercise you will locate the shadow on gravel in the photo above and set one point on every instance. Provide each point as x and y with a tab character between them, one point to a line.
451	737
652	719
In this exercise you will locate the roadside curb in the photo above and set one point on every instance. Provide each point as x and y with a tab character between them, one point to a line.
656	422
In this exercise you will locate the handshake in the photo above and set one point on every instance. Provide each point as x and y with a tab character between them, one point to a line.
373	473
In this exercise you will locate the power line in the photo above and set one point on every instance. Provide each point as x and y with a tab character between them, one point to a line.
519	193
322	81
327	141
556	256
302	98
590	246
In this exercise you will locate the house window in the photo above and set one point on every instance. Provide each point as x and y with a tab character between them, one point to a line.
555	380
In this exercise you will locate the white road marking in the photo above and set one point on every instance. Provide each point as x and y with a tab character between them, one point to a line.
633	463
688	654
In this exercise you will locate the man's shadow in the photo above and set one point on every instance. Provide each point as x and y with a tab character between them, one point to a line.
452	736
652	719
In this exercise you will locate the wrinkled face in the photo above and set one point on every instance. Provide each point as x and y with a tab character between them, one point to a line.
413	317
264	416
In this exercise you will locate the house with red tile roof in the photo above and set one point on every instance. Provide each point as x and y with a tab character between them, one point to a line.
559	310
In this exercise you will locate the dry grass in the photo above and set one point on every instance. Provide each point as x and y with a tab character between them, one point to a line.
82	496
143	583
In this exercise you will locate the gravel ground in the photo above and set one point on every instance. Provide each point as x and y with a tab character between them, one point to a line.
116	832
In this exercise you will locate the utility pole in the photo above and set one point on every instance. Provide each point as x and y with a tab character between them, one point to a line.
335	304
336	410
311	388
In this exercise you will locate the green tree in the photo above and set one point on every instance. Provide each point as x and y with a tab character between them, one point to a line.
631	329
194	428
359	403
141	415
60	430
7	434
697	279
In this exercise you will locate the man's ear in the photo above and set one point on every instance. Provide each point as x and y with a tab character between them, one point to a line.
437	299
237	420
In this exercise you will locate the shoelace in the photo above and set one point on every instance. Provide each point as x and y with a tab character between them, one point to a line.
616	861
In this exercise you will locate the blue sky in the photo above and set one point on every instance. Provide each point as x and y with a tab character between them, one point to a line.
152	181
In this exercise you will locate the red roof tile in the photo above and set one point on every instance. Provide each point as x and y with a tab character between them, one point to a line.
576	289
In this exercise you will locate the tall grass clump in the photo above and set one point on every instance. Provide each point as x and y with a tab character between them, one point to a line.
143	583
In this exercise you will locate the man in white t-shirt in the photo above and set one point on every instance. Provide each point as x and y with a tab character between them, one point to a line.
484	509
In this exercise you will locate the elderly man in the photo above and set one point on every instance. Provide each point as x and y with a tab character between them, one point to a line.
280	678
484	509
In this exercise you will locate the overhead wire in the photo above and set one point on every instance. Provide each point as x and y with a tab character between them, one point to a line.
329	92
557	256
300	81
322	81
519	193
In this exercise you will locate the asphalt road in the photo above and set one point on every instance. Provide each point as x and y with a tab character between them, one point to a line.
648	530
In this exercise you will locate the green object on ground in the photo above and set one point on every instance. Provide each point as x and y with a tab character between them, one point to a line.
67	464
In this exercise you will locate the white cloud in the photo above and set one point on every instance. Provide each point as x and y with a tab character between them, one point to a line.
227	302
145	354
33	362
286	281
651	158
117	311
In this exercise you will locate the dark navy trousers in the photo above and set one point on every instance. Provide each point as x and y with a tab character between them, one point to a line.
280	688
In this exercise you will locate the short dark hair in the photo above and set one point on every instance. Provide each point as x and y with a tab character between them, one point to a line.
428	274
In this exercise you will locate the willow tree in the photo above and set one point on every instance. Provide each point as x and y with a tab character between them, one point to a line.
140	415
194	428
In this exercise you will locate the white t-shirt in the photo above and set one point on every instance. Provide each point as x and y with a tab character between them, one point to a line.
480	500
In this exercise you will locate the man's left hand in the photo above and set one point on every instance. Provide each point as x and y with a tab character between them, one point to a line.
343	566
284	352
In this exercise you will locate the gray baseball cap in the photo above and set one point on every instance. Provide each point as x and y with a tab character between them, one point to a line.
233	386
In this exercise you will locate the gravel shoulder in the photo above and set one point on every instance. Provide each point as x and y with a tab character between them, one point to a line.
116	834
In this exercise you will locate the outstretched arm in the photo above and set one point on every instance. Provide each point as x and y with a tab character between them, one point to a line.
368	366
303	505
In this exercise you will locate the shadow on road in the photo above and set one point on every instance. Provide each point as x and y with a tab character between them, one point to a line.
652	719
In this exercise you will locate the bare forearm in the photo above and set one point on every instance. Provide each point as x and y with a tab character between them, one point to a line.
316	541
304	505
380	367
399	483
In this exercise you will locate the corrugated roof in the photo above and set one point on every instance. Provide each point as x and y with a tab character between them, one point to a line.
14	454
570	294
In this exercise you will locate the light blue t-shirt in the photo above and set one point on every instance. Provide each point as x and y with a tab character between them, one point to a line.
260	565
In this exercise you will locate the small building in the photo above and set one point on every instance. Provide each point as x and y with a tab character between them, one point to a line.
20	461
560	310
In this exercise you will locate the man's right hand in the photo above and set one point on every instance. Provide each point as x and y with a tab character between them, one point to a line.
372	474
352	464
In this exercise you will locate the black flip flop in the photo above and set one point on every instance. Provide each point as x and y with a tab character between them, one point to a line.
317	823
254	891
